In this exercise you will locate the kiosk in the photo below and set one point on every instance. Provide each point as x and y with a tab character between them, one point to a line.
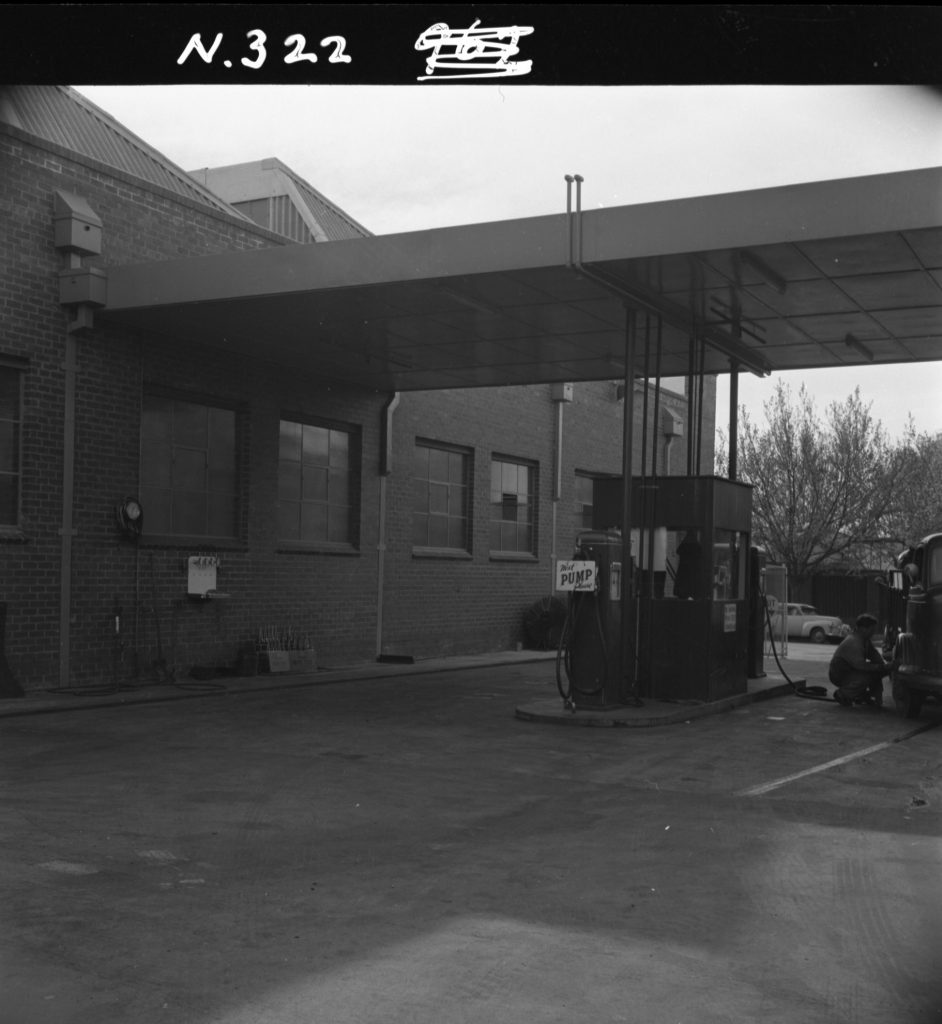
691	550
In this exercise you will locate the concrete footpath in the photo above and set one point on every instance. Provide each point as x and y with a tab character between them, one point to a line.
549	710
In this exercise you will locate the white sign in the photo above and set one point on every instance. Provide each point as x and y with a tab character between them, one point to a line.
729	618
572	575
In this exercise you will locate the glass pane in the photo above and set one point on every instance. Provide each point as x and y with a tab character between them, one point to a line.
189	512
457	533
8	491
523	480
339	448
222	480
420	530
338	487
438	464
313	522
438	498
221	515
189	469
156	418
495	536
289	445
222	435
508	511
438	531
9	394
156	504
9	446
456	467
524	535
508	537
338	523
315	484
190	424
289	520
508	477
315	445
456	495
289	482
156	465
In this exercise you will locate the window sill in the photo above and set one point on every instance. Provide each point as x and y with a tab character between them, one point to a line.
191	542
513	556
12	535
454	554
287	547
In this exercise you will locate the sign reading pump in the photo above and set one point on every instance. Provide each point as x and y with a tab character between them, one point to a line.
576	575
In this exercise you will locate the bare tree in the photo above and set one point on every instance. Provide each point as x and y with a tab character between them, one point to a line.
918	511
824	490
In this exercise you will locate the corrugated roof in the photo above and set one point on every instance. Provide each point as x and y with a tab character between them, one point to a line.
60	115
316	218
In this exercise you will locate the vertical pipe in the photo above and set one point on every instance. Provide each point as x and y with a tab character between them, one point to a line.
628	668
67	531
691	412
657	397
733	421
385	468
701	364
557	490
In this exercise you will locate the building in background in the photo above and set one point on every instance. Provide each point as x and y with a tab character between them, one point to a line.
415	523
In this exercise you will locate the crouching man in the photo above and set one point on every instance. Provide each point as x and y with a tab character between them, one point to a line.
857	668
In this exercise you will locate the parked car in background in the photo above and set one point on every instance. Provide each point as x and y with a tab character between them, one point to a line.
804	622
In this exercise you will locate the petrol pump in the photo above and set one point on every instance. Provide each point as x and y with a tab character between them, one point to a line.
589	664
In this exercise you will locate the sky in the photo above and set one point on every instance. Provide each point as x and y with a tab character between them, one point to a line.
405	158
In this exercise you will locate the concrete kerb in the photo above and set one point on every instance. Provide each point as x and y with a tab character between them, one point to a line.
50	701
548	710
652	712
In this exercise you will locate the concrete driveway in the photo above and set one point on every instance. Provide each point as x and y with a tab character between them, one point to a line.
406	850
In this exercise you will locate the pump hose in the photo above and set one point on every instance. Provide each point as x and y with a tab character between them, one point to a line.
808	692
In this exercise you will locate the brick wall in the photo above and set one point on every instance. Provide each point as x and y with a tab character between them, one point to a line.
430	605
329	595
441	605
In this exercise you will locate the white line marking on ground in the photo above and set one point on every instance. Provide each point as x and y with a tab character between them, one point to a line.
767	787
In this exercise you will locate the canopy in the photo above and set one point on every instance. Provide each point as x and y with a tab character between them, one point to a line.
831	273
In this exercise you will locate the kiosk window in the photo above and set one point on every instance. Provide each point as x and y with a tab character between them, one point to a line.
729	581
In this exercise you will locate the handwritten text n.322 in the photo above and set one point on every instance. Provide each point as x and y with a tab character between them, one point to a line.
295	45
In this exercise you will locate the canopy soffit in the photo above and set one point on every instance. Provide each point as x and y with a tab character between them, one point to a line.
832	273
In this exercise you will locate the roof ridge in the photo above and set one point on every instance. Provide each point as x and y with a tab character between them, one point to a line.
113	124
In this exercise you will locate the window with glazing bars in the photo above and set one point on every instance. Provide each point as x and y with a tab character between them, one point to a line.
440	487
188	468
315	503
512	507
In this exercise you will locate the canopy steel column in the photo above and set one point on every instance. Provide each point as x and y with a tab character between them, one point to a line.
628	610
733	468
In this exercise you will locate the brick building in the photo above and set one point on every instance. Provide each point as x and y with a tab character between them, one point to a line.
375	523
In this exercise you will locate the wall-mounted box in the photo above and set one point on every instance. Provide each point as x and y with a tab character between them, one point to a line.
83	286
562	392
201	575
77	226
